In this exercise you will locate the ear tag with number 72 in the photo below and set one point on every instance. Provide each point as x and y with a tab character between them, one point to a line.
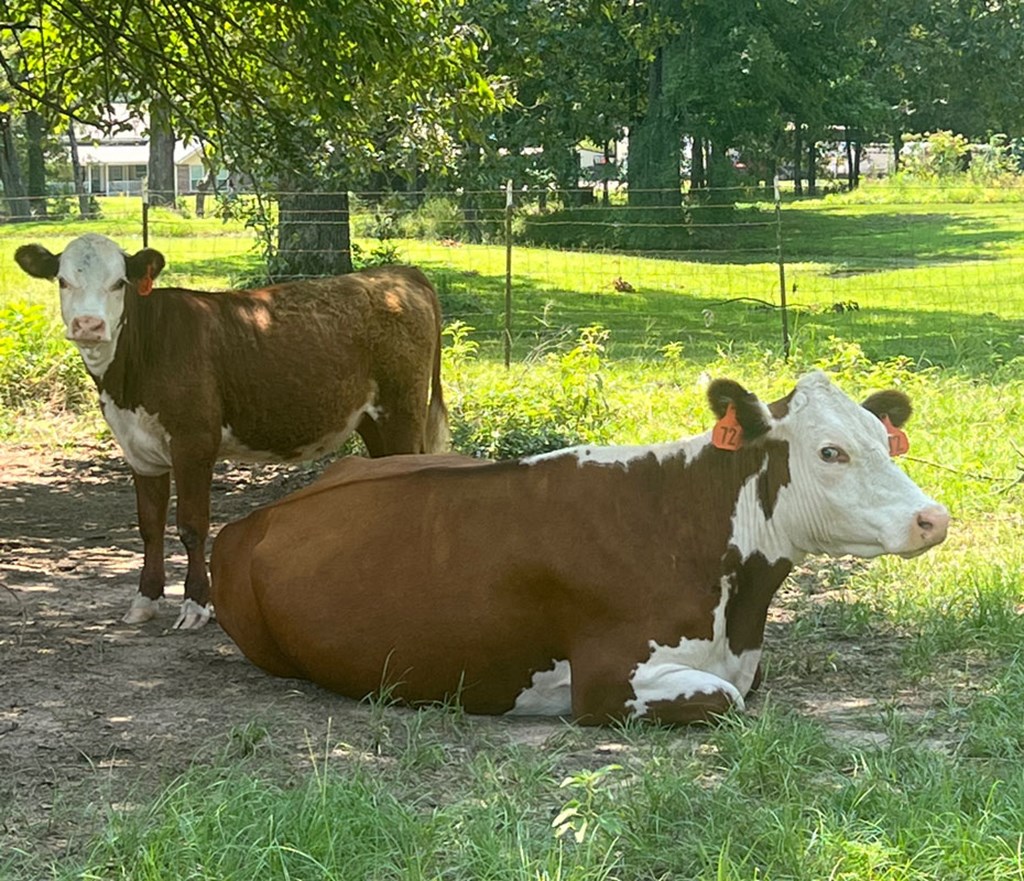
898	441
728	433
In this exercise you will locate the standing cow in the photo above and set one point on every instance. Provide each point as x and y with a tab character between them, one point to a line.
601	582
281	373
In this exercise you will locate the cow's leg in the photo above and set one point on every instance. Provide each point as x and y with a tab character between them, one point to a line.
151	497
193	476
679	695
403	421
369	431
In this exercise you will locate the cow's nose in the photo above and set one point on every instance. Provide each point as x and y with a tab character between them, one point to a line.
88	329
933	522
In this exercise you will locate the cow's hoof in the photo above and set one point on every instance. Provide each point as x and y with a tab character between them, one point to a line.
141	610
192	615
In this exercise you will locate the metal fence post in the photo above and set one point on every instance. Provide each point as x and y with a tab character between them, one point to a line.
508	274
782	271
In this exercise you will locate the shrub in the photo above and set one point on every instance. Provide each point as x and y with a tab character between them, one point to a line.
37	367
517	414
616	227
436	218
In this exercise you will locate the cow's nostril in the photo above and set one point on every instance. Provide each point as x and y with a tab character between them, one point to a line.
933	523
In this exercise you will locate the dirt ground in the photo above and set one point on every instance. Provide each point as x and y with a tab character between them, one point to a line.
89	706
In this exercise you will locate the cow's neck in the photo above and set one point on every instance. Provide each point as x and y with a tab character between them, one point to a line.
99	356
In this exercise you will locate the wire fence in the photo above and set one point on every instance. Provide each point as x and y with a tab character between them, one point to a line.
932	274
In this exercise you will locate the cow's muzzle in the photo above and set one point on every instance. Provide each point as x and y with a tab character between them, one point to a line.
88	329
929	529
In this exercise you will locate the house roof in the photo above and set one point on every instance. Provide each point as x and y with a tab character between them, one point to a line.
133	154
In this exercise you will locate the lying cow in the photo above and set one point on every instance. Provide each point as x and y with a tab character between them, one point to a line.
601	582
282	373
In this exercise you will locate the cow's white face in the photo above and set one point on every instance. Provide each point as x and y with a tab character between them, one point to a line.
94	276
846	495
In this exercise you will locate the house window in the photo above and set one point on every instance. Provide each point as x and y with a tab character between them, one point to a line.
95	179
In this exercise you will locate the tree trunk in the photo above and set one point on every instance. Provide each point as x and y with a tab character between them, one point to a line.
654	148
160	170
10	172
202	188
698	172
78	174
35	128
798	183
812	168
313	237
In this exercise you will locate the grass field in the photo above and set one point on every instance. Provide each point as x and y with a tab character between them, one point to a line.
918	793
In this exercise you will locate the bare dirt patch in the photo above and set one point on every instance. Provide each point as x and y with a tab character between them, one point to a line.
92	709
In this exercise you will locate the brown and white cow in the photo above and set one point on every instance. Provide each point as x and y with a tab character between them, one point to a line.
282	373
597	582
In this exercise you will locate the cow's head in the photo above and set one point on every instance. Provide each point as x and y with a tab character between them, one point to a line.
94	275
841	493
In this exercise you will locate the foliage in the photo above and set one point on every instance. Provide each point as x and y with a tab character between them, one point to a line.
38	368
438	217
503	421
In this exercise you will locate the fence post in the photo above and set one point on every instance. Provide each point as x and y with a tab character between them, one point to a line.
508	274
782	271
145	215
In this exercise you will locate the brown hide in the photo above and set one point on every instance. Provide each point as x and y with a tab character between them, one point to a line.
286	366
502	569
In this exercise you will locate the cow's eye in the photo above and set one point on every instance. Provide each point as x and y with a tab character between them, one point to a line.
63	283
833	454
119	284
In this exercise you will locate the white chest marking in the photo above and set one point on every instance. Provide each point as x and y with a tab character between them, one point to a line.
145	442
694	666
549	693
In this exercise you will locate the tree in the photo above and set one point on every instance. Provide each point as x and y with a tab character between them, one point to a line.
294	94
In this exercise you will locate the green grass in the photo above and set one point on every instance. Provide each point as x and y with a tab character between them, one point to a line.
772	797
936	792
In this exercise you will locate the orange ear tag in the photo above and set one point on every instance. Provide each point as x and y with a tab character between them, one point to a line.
146	283
728	433
899	443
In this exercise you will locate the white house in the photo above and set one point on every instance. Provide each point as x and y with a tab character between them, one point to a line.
117	162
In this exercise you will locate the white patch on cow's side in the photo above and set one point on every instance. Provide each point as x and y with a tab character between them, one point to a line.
695	666
141	610
549	693
232	448
145	442
625	455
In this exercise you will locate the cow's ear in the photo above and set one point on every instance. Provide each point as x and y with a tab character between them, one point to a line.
147	263
750	412
37	261
891	403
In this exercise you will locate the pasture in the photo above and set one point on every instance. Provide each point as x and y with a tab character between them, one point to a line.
886	741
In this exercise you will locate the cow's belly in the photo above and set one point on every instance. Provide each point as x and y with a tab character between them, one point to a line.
144	441
231	447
